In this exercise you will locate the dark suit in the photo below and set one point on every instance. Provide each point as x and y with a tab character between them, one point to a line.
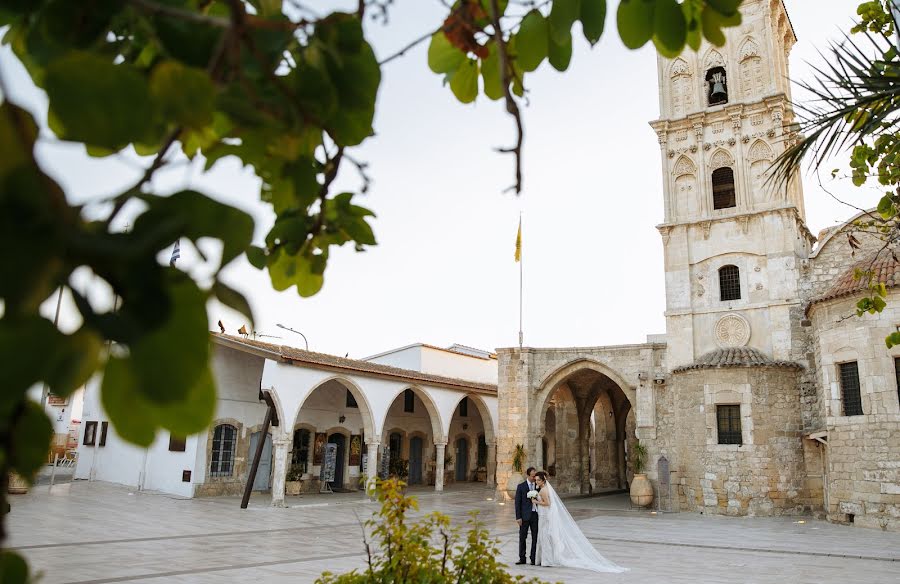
529	521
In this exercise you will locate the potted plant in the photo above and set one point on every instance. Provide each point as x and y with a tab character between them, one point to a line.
293	484
518	465
641	489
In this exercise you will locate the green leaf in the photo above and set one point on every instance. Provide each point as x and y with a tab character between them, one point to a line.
490	73
99	103
130	411
18	131
186	40
464	83
295	270
194	215
670	29
593	19
77	24
885	206
256	256
233	299
563	14
878	303
72	361
13	568
725	7
635	22
184	95
892	340
442	56
531	41
31	434
560	53
712	27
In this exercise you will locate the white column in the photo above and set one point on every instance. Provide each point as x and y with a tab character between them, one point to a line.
371	464
439	466
491	462
280	461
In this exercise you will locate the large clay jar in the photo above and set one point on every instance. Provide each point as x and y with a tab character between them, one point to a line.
17	485
641	490
512	483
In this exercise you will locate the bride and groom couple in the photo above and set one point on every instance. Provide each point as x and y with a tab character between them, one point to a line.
556	540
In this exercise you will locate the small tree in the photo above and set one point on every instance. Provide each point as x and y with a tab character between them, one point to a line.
638	457
429	551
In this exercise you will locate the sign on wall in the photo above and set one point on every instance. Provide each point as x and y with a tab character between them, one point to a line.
328	465
319	447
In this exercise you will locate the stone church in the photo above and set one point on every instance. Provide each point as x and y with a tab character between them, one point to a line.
766	395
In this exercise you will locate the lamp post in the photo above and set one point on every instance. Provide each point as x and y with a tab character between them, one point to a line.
287	328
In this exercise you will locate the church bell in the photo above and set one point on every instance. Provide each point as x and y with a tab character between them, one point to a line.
718	90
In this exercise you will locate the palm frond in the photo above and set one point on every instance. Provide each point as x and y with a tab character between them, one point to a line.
854	96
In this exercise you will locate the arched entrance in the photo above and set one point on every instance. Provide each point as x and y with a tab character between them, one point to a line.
335	412
473	445
462	460
410	430
582	434
416	469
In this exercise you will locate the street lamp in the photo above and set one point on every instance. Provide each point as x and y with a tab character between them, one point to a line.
287	328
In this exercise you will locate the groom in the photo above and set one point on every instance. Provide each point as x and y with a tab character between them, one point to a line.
526	515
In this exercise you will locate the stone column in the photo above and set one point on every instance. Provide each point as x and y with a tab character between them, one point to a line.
439	466
513	401
371	464
584	449
623	468
491	463
538	458
281	446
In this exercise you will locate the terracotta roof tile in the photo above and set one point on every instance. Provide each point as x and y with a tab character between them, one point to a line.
736	357
883	269
355	365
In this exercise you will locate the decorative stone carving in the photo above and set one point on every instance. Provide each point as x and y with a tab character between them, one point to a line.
732	330
760	151
671	154
666	232
771	133
698	130
707	146
680	67
721	159
684	166
748	50
707	225
744	222
745	139
713	59
732	141
694	149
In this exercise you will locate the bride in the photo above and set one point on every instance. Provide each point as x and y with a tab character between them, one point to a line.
560	541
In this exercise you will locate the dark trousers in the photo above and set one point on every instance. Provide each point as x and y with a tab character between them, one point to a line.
531	524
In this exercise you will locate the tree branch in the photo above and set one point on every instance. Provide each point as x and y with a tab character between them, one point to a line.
512	107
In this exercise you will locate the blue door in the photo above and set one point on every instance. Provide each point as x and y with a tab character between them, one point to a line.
462	460
415	461
264	471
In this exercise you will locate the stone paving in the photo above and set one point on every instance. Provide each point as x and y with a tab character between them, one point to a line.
95	532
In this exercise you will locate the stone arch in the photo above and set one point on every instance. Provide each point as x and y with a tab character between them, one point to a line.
721	158
682	88
679	67
362	402
486	421
759	150
283	424
712	59
551	383
748	50
434	417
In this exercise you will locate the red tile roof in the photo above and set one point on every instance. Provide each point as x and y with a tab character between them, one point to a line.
735	357
324	360
883	268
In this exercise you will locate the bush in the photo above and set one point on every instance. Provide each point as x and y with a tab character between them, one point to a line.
429	551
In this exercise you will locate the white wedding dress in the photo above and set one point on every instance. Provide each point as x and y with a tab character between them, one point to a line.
561	542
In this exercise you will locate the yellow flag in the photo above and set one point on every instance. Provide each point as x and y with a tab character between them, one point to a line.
519	242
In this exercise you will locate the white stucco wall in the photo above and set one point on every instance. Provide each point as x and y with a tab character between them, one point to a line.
442	362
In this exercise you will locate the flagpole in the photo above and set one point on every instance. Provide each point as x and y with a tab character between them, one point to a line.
521	336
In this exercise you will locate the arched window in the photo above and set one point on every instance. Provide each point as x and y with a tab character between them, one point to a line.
723	188
300	454
221	462
729	283
716	86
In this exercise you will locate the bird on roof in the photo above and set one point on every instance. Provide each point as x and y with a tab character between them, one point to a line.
243	330
221	326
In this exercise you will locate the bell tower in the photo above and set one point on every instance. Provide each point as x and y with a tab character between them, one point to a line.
734	243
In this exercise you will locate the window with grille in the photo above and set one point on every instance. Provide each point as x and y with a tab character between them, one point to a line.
409	401
221	462
351	401
104	428
464	407
729	283
723	188
850	397
728	422
300	453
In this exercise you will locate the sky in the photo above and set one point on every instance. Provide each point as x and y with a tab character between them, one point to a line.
444	271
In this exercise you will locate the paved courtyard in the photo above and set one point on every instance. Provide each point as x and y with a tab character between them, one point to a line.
94	532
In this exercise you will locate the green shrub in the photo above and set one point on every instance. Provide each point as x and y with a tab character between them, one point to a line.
428	551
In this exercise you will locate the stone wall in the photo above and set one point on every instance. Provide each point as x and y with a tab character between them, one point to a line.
766	474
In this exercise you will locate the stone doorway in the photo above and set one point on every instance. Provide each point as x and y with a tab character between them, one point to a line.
462	460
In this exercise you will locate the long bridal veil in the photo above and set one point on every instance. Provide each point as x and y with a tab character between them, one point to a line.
570	547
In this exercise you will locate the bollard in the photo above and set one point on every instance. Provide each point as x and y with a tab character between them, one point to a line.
53	470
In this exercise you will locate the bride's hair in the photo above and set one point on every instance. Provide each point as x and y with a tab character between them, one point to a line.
542	474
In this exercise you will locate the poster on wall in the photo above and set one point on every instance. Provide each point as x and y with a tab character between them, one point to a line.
355	449
329	464
319	448
385	469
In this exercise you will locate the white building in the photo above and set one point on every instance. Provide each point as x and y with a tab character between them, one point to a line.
402	407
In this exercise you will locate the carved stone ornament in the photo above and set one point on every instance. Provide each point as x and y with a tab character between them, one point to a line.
694	149
680	67
760	151
671	154
732	141
684	166
732	330
771	133
707	225
714	59
745	139
707	146
748	50
720	159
